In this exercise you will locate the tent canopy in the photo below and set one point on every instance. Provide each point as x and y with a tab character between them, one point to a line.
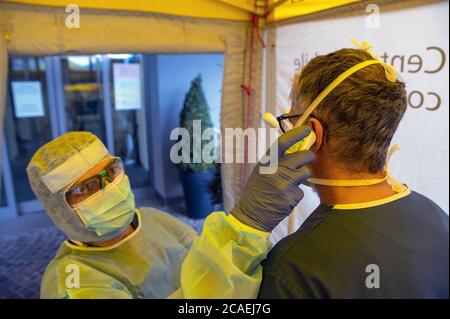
238	10
283	9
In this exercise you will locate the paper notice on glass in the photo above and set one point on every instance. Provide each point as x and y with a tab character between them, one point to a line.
28	100
127	86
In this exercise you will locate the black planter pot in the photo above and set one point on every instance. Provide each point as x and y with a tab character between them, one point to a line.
196	195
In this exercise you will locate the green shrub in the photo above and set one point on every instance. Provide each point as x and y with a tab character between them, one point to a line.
195	107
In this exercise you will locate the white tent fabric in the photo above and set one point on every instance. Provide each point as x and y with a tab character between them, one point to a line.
424	24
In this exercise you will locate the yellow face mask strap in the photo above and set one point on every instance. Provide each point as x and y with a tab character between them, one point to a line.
331	87
390	72
396	185
346	182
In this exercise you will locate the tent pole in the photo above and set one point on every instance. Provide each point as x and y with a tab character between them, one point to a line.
5	37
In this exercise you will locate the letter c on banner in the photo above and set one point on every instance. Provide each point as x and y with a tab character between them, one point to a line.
443	58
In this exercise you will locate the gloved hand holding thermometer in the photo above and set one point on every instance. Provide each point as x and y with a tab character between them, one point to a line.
302	145
269	198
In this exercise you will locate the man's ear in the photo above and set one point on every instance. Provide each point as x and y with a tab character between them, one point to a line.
317	127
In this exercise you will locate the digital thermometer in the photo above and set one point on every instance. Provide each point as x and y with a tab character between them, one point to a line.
302	145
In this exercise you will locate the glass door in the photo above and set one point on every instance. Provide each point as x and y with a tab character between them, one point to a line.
129	118
49	96
103	95
8	207
83	94
27	124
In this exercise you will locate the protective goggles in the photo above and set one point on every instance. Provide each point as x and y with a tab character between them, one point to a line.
93	184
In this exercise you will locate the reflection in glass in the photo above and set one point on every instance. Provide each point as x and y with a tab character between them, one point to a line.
27	124
25	133
129	120
82	79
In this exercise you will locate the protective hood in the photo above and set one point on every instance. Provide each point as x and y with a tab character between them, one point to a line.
51	171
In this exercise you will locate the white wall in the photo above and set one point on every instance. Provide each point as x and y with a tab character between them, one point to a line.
423	135
173	79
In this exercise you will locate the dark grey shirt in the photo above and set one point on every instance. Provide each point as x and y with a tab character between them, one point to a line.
402	247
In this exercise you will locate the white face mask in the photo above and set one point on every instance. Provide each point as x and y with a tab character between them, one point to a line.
109	209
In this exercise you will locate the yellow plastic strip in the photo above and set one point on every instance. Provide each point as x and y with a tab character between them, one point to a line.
291	222
373	203
396	185
390	73
121	242
346	182
331	87
389	70
293	9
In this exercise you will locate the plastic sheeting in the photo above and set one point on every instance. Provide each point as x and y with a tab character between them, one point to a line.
42	31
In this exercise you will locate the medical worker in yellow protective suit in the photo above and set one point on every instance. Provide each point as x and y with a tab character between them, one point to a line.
117	251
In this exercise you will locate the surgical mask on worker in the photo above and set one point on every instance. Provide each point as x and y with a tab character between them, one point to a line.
110	209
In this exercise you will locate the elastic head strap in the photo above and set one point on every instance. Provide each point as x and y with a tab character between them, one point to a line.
346	182
395	184
389	71
332	86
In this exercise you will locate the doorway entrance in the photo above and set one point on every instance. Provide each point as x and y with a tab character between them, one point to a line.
48	96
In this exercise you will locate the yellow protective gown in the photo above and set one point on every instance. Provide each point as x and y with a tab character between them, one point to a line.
163	258
225	261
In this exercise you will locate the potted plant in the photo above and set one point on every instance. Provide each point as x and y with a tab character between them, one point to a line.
195	177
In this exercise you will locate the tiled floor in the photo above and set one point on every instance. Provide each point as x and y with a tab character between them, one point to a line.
28	243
